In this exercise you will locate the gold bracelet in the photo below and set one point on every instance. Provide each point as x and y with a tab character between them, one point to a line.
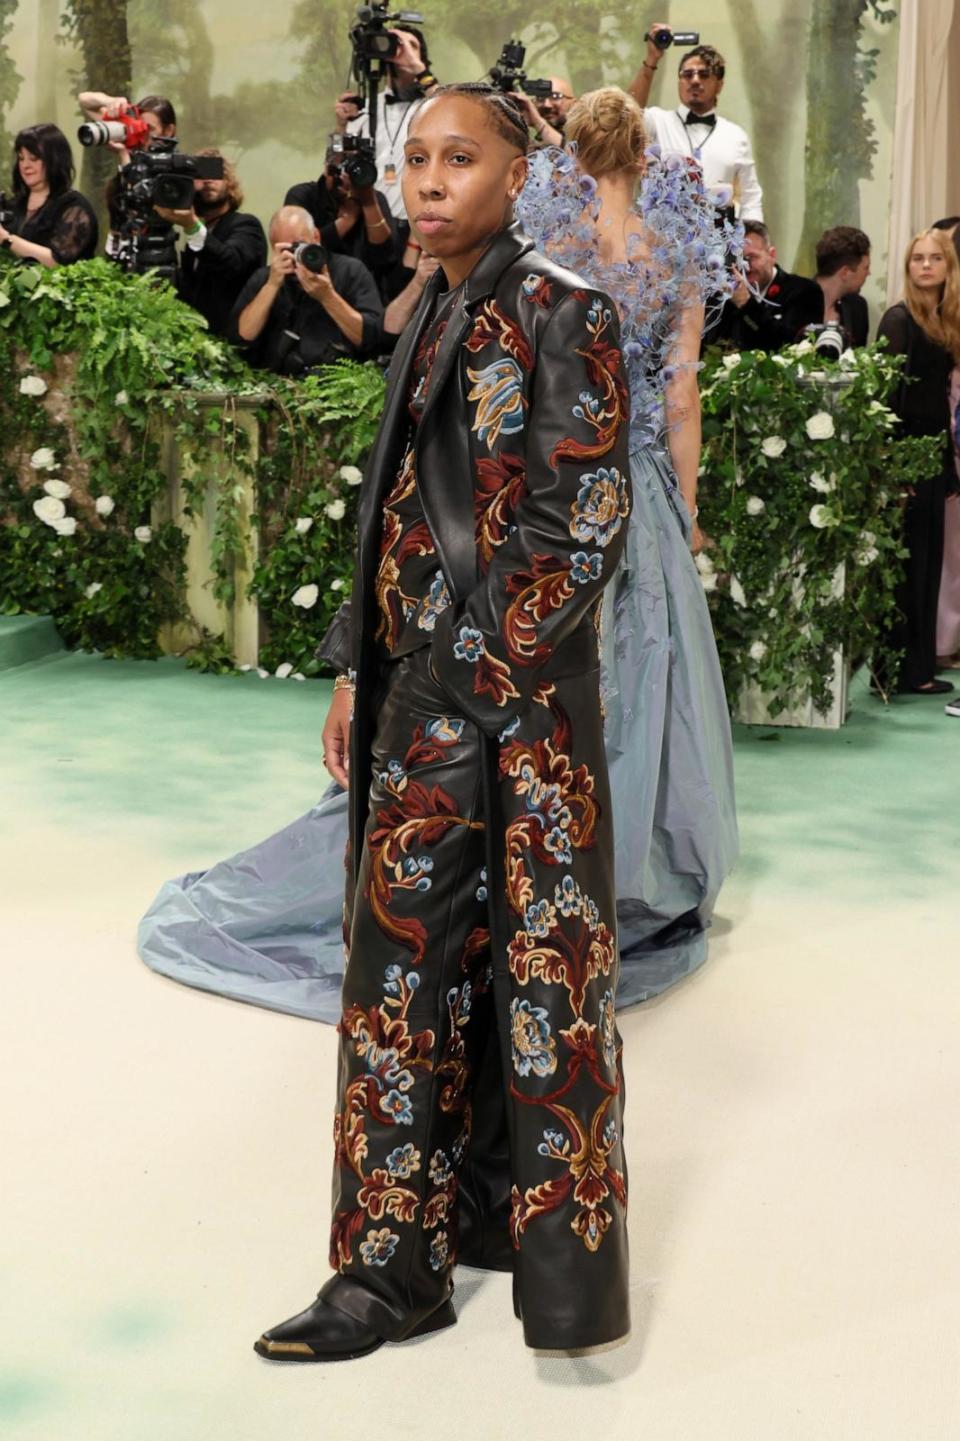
381	221
343	682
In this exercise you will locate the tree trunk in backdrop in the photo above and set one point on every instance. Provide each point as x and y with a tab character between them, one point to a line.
100	27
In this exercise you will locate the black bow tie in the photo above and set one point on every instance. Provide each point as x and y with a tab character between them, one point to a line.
708	120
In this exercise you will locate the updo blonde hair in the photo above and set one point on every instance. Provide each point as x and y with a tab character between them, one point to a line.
608	129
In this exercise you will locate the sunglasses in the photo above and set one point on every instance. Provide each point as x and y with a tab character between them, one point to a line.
696	74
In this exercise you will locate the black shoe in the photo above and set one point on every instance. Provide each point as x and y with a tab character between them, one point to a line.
933	687
322	1333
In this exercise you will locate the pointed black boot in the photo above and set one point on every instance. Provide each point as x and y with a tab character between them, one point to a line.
324	1333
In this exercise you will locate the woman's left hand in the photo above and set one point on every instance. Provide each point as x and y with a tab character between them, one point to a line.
698	541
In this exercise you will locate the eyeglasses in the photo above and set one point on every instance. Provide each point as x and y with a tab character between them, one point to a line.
695	74
558	95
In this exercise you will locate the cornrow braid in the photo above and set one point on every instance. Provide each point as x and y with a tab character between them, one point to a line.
504	116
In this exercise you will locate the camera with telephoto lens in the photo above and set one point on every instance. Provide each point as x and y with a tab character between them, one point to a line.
311	255
829	340
352	156
128	129
663	39
508	73
370	36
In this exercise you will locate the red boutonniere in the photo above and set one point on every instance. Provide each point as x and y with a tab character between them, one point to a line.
774	290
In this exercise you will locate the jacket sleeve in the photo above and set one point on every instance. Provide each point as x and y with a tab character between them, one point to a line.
360	291
242	252
336	647
569	526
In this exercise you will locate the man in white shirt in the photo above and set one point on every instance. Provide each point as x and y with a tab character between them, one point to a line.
695	128
409	81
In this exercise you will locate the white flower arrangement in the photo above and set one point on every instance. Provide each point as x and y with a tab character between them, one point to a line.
819	482
66	526
820	426
350	475
44	459
336	509
282	671
303	524
732	361
337	584
143	534
756	505
306	596
758	650
737	593
58	488
48	509
104	505
33	385
822	517
773	446
121	398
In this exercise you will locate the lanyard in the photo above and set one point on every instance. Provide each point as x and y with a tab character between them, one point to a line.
696	149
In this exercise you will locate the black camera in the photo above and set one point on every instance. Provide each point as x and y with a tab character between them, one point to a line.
311	255
508	73
371	38
663	39
352	156
156	176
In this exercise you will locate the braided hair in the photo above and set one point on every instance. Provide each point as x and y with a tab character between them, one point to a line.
503	113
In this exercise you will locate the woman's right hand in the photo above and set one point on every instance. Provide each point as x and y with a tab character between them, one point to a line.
336	737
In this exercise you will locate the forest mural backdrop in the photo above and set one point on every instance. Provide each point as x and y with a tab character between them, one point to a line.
812	81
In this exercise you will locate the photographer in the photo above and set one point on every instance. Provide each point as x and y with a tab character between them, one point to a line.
223	246
722	148
843	264
770	307
291	318
548	119
352	219
49	222
158	114
408	81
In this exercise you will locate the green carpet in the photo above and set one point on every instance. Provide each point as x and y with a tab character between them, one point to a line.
24	638
209	764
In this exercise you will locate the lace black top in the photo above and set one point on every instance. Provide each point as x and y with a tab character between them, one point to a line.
65	223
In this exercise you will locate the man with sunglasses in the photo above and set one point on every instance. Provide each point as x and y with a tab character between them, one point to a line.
695	128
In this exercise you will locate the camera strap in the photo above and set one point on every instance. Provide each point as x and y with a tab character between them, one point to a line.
697	150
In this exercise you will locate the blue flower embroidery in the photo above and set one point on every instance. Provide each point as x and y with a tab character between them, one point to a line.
470	646
403	1161
445	729
394	778
539	919
534	1048
438	598
392	980
509	730
610	1135
554	1143
439	1251
557	843
600	507
607	1029
498	390
440	1172
379	1247
585	568
567	897
399	1107
531	285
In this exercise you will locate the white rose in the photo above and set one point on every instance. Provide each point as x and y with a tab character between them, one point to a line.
65	527
731	361
43	459
104	504
708	580
337	509
33	385
774	446
298	675
350	474
737	593
820	426
819	483
867	555
821	516
59	488
758	650
755	505
336	585
306	596
303	524
121	398
704	564
92	589
282	671
48	509
802	347
849	360
143	534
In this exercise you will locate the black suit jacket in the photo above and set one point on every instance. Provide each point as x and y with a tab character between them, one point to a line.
212	278
776	319
855	318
